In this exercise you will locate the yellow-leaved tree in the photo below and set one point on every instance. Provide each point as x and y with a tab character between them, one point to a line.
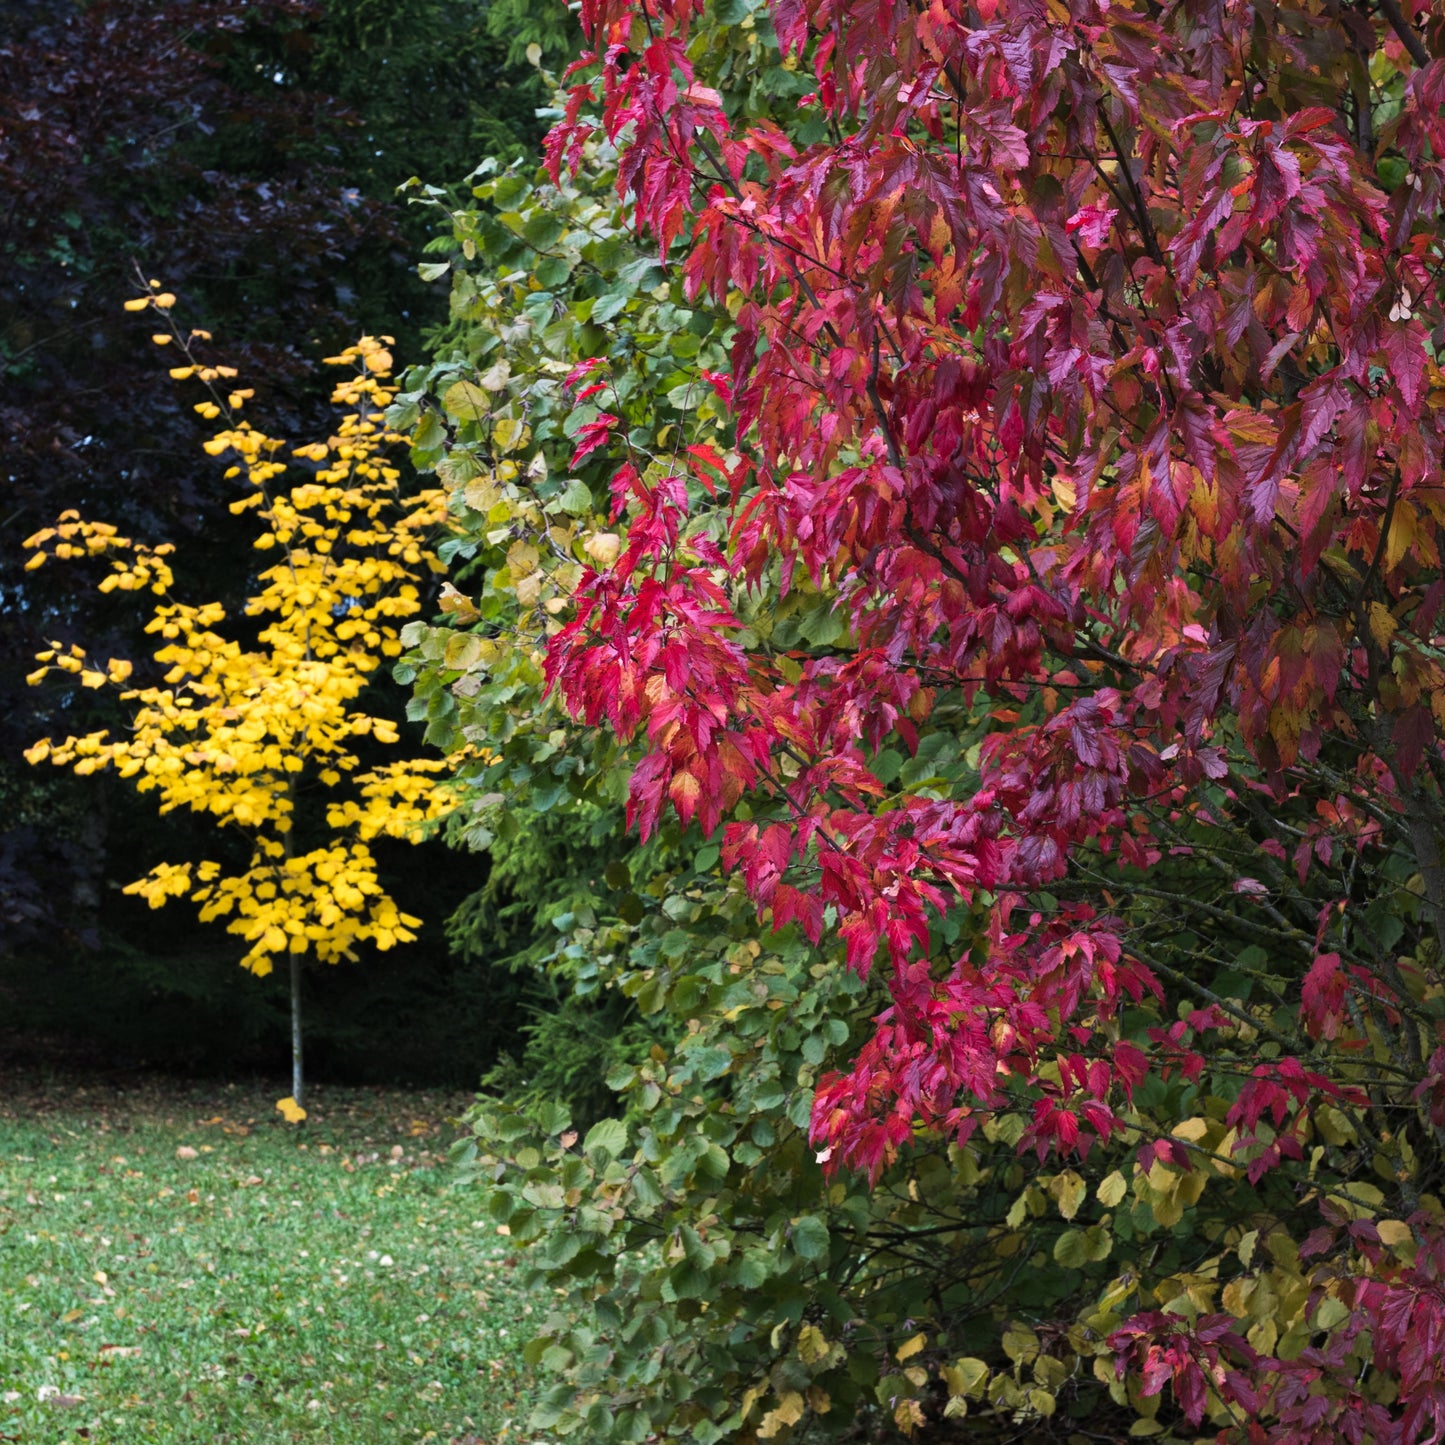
246	723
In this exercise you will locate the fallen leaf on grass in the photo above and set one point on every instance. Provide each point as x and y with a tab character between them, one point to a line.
290	1110
186	1152
120	1352
50	1395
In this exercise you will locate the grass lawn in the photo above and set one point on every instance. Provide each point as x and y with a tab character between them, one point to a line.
178	1265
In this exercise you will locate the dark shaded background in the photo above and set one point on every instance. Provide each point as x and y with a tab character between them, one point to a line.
247	154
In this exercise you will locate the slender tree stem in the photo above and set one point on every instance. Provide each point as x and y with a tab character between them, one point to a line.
298	1085
1390	9
298	1078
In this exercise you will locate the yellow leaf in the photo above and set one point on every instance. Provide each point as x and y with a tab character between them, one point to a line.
907	1415
508	435
603	548
909	1348
1382	624
290	1110
812	1345
1393	1232
1193	1130
1400	537
138	304
788	1412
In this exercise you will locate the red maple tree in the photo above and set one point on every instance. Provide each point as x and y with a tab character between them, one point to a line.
1088	360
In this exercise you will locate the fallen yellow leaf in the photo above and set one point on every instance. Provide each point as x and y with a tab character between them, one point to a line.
290	1110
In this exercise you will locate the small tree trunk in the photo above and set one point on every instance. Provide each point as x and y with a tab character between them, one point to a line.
298	1080
298	1084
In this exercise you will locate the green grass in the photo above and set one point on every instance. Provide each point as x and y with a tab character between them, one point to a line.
319	1283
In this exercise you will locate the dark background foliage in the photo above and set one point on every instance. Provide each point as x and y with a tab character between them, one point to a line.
248	156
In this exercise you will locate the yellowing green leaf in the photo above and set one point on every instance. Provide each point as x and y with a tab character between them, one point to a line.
1069	1192
1112	1190
1042	1402
509	434
463	651
967	1376
466	401
1020	1343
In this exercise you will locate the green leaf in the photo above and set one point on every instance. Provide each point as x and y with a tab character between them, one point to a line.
430	434
810	1237
609	1135
609	306
576	500
544	1195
